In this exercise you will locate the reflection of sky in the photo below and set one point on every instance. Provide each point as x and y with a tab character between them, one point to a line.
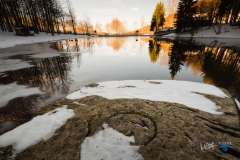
126	63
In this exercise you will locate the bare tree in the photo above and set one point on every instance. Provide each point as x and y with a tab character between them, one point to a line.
71	16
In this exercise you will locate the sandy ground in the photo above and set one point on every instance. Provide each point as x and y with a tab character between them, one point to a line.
174	131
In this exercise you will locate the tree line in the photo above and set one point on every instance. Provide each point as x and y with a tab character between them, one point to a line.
48	16
197	13
192	14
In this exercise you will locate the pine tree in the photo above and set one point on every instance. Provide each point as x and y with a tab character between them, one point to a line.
184	16
158	17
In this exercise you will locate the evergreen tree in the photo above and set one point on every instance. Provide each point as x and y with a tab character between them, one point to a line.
184	16
158	17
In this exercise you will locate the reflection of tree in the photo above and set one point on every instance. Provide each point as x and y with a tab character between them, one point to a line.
176	58
82	45
222	67
218	65
116	42
153	50
51	75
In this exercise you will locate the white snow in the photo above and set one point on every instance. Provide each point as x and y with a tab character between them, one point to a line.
238	103
208	32
8	39
39	128
109	144
13	90
169	90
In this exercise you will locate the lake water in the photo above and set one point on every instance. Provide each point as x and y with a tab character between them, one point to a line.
36	74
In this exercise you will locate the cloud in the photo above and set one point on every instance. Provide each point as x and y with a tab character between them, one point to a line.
107	11
135	9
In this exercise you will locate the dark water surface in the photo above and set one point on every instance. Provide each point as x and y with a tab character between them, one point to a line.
59	68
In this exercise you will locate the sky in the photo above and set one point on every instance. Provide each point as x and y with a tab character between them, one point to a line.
103	11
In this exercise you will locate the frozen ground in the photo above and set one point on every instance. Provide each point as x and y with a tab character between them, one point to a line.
39	128
182	92
8	39
11	91
208	32
109	144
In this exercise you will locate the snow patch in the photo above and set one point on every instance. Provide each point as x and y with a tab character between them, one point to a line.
238	103
206	32
169	90
8	39
109	144
13	90
39	128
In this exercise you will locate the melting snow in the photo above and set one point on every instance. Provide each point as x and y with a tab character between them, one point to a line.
13	90
39	128
169	90
8	39
109	144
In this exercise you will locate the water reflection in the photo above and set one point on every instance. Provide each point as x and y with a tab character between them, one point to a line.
116	43
218	65
117	58
51	75
153	50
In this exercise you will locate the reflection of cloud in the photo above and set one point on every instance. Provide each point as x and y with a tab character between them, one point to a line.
135	9
133	54
107	11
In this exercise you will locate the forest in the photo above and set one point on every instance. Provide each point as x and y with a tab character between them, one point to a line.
55	16
45	16
192	14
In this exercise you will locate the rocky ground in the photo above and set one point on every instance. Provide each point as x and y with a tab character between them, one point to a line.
163	130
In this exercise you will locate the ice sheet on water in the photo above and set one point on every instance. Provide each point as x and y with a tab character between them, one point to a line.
13	90
45	55
12	64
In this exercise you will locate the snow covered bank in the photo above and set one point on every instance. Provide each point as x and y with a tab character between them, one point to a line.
208	32
11	91
109	144
39	128
8	39
157	90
